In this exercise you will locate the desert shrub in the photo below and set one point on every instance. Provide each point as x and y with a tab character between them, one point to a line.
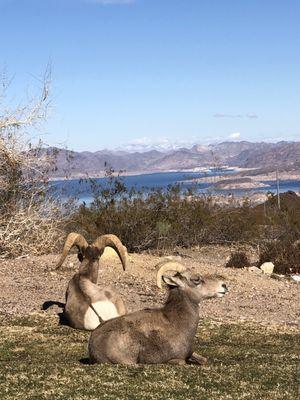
238	259
147	219
30	218
155	219
284	254
283	247
164	219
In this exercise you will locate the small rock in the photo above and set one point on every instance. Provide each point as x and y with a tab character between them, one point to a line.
267	268
296	278
255	270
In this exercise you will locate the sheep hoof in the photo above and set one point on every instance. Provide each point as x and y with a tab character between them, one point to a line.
197	359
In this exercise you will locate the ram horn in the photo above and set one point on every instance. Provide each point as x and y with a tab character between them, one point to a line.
73	239
167	265
115	243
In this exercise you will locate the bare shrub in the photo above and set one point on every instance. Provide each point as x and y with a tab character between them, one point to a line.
30	217
156	219
164	219
148	219
284	254
238	259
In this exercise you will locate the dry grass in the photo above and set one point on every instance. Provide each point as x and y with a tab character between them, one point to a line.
41	360
31	230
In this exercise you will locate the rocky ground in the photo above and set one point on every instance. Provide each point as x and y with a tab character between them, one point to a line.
26	283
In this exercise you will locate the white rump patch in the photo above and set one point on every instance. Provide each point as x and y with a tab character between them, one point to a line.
106	309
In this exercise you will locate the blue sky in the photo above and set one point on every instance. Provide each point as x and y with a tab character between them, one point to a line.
137	73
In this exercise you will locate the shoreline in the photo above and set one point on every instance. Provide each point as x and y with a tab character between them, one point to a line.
125	174
236	181
241	179
198	170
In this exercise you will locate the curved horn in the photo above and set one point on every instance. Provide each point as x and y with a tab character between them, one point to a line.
73	239
167	265
114	242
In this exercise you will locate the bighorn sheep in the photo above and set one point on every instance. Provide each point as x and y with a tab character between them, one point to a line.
156	336
87	305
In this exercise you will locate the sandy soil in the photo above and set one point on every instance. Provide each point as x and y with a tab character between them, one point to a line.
26	283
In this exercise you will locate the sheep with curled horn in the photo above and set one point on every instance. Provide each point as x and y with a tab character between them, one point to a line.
162	335
87	305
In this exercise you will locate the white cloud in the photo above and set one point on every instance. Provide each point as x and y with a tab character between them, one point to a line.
235	135
250	115
162	144
223	115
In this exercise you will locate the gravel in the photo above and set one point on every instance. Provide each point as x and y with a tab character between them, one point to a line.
26	283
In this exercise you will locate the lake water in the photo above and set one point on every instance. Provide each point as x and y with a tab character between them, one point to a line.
82	189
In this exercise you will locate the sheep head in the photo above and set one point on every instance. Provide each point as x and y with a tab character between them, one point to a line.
93	252
174	274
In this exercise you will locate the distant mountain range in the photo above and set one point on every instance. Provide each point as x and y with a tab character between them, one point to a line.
283	155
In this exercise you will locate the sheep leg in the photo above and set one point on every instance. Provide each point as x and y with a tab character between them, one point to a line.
197	359
90	290
177	361
120	306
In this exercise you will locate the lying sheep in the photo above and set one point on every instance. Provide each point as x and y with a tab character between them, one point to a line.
156	336
87	305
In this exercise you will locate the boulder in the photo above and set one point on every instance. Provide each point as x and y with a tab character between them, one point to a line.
110	253
267	268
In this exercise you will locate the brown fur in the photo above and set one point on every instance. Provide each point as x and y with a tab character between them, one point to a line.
157	336
82	291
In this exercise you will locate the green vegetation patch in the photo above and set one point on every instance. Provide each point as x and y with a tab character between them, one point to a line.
41	360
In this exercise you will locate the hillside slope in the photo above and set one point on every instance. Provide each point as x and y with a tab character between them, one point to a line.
238	154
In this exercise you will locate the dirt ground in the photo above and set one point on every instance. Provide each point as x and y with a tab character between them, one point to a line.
26	283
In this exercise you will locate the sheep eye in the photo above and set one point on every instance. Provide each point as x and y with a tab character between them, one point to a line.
197	280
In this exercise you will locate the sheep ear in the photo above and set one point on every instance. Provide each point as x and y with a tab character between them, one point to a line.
173	280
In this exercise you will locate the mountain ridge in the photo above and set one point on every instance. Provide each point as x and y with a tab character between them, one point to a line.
242	154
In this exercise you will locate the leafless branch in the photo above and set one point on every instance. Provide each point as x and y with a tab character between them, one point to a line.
30	219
